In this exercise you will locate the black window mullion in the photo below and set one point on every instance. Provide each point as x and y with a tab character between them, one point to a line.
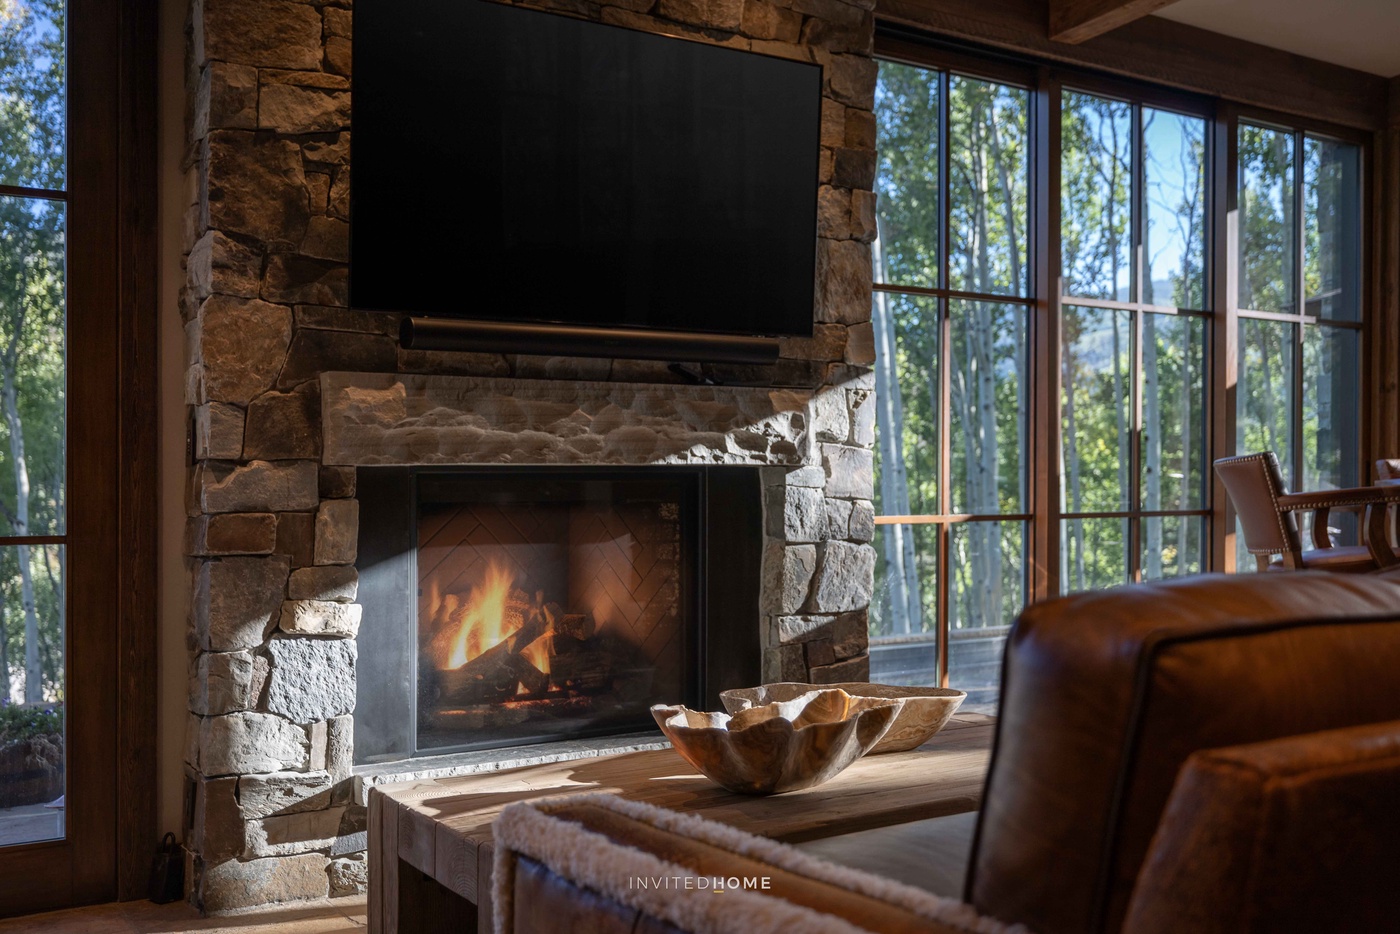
1138	219
943	604
40	194
1300	300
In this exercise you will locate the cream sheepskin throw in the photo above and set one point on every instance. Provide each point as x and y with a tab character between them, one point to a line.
593	861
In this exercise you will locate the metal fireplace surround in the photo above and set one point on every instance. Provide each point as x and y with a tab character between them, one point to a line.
720	540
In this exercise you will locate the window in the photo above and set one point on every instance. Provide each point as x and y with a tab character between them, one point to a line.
952	314
1133	350
1299	295
1050	384
32	419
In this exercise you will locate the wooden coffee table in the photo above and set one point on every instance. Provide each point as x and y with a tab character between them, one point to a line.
430	847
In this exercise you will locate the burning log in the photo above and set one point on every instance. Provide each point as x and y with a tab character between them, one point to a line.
500	644
533	681
576	625
495	673
582	665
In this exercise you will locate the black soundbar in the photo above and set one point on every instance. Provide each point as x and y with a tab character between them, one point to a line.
560	340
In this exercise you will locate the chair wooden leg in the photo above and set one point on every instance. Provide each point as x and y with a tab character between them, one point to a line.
1320	536
1377	535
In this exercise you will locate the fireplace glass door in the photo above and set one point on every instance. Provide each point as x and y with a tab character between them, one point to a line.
551	606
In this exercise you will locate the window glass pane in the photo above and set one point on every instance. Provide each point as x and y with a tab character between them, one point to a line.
908	212
907	396
31	715
987	591
1173	412
1096	183
1172	546
1268	231
987	421
1332	210
1095	409
988	144
32	93
1331	408
1343	528
1245	563
32	384
1174	192
903	610
1093	554
1264	399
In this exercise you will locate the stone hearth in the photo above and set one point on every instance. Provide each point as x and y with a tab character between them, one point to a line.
289	390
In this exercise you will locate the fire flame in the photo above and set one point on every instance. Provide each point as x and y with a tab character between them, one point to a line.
537	654
484	620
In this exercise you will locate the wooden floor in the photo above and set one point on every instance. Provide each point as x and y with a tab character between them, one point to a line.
332	916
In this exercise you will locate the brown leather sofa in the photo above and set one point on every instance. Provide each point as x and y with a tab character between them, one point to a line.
1106	697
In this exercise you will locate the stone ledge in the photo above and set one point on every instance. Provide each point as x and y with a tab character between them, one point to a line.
409	420
426	768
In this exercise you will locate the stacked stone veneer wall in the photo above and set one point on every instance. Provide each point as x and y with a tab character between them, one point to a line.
272	529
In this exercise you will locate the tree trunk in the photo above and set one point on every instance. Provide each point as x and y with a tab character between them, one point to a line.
904	603
1119	416
1152	441
1071	455
5	696
976	363
1266	371
33	668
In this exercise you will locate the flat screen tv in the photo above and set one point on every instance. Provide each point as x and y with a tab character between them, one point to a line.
519	166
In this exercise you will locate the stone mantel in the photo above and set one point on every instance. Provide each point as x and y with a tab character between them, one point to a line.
396	419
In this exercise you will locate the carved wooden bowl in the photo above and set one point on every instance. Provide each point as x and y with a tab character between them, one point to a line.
783	746
922	711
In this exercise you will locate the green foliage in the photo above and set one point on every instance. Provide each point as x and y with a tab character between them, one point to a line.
20	722
1099	375
32	343
953	417
1268	233
985	415
1270	415
33	62
1096	196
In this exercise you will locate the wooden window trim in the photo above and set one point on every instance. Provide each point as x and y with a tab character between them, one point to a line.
112	466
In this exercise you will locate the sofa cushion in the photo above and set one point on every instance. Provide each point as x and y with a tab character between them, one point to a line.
1105	696
1291	835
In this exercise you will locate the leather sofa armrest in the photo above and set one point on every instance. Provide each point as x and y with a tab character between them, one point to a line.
1288	835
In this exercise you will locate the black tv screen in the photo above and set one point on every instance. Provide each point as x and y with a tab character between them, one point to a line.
520	166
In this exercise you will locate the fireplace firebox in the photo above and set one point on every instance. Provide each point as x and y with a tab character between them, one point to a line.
506	607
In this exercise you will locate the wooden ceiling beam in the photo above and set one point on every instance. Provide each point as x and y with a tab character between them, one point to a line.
1165	52
1074	21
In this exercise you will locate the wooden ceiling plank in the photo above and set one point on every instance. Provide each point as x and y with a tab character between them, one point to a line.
1075	21
1163	52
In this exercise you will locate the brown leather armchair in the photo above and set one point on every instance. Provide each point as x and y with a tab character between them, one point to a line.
1266	512
1086	826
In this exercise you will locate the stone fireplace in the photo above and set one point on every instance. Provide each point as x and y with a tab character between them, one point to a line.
300	408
